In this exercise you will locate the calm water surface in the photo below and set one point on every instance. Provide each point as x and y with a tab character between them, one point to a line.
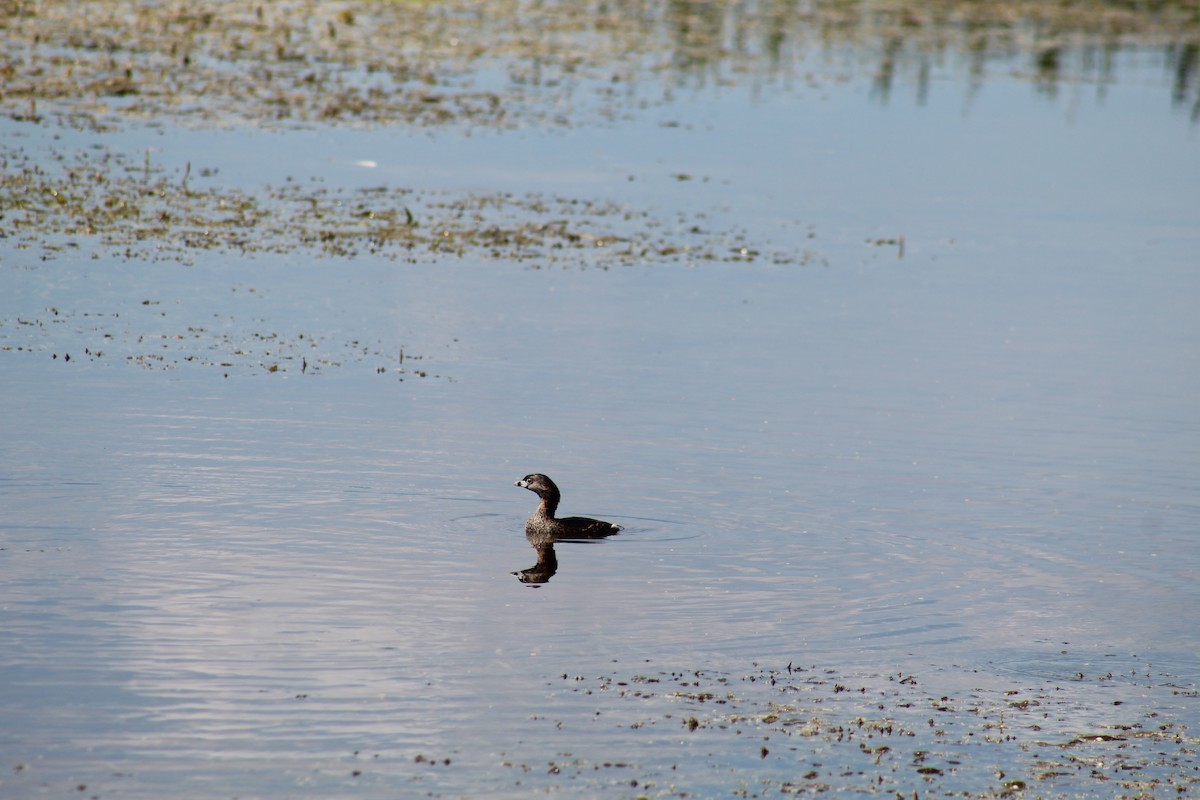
975	464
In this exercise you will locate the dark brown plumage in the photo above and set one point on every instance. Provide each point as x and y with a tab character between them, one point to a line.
543	523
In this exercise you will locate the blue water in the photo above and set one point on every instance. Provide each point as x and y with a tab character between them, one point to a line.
974	461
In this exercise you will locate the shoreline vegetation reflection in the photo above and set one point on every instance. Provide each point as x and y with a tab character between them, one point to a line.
513	63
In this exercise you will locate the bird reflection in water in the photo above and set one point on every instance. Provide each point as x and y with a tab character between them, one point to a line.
544	530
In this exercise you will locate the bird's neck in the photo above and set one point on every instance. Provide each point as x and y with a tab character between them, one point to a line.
549	504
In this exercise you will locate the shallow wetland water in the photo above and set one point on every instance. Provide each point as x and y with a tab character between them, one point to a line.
872	324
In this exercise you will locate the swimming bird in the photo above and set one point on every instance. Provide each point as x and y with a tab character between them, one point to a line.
543	524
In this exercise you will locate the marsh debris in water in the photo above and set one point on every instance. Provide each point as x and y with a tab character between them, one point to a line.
807	730
99	200
166	343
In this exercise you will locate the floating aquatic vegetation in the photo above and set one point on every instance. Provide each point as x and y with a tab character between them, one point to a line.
807	730
165	341
97	201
